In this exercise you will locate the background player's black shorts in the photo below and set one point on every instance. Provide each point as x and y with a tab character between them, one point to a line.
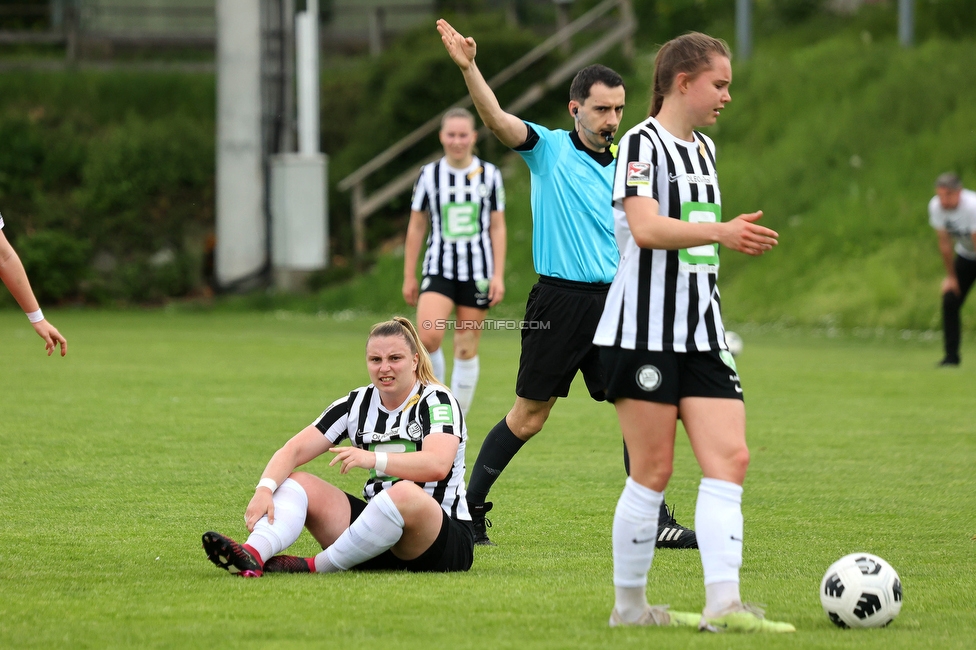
466	293
557	339
453	550
666	377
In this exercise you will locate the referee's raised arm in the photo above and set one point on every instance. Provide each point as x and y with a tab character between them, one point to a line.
508	128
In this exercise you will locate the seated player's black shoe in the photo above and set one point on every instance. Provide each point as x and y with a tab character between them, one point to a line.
289	564
671	534
231	556
480	523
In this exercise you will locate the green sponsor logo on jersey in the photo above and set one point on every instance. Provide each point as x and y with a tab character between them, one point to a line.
441	414
700	259
460	220
392	447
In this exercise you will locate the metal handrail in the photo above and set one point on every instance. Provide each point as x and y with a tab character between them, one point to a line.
363	205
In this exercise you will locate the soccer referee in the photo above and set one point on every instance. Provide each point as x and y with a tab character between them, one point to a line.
575	254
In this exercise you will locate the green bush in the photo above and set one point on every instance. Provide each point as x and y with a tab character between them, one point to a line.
118	166
56	263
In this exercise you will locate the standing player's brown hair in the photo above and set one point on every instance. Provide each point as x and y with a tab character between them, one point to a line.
690	53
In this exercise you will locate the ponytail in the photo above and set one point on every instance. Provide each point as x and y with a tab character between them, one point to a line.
400	326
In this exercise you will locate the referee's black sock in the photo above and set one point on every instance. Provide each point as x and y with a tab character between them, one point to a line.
499	447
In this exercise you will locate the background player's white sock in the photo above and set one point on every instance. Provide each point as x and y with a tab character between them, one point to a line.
377	529
437	361
290	509
718	525
634	536
464	379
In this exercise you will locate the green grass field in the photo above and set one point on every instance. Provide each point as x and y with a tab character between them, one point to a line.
156	427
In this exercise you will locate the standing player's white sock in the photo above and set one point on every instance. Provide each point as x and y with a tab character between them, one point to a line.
634	536
290	509
377	529
464	379
437	361
718	525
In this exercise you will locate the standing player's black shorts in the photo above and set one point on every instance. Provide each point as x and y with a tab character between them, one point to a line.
557	339
467	293
453	550
666	377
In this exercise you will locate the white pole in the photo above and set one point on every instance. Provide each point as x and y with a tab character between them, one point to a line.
241	229
743	29
906	22
307	58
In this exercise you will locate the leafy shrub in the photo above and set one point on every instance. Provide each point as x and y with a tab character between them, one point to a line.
56	263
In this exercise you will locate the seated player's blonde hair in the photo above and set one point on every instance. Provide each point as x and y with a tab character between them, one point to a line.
400	326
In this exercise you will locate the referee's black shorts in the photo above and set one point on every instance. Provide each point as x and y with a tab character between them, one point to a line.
453	550
561	317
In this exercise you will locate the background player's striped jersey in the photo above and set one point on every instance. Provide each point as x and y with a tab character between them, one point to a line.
665	300
460	203
362	419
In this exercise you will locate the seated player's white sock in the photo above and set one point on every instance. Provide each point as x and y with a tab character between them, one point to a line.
464	379
290	509
377	529
718	526
437	361
634	536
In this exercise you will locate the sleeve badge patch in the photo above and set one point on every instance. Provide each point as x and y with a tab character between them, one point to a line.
638	173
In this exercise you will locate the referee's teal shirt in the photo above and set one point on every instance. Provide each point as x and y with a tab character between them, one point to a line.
572	214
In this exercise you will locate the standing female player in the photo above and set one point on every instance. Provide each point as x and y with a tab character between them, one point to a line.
663	343
407	430
463	199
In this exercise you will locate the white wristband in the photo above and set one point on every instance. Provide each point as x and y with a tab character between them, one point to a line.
35	316
268	483
381	459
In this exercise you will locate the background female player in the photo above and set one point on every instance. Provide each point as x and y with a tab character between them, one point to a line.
463	199
664	343
407	430
15	279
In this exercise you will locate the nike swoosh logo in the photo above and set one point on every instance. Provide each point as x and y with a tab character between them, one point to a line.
673	177
735	539
738	389
643	541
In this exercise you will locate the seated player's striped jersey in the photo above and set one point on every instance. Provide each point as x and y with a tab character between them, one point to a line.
665	299
362	418
459	203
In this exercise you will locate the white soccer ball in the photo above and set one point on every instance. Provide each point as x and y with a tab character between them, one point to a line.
861	590
734	341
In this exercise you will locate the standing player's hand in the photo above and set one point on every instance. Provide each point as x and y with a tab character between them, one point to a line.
352	457
261	504
743	234
52	337
950	285
461	49
496	290
411	291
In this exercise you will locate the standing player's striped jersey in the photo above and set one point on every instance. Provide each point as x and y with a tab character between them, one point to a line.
460	203
665	299
362	418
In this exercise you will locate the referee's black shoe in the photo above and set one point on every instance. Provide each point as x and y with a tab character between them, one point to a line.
671	534
949	362
480	523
